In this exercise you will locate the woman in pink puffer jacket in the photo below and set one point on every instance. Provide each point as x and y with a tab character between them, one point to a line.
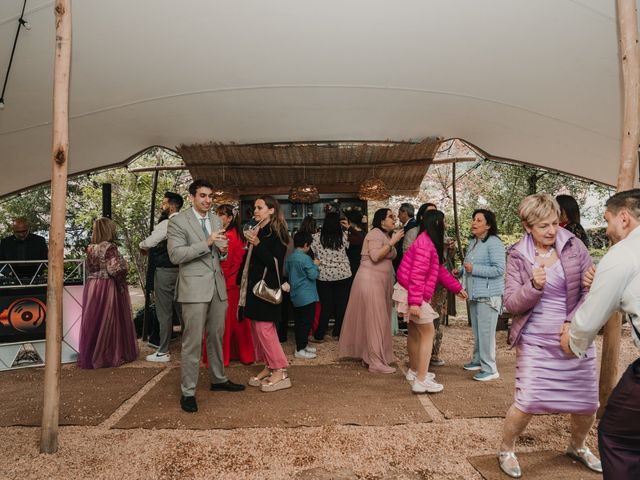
420	271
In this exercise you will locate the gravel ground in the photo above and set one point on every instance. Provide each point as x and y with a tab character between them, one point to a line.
436	450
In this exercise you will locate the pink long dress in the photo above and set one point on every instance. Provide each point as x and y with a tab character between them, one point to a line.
366	329
107	333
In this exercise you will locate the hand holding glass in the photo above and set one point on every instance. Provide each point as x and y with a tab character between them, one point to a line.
250	229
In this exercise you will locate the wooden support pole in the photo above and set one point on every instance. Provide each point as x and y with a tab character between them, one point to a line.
630	61
55	281
150	263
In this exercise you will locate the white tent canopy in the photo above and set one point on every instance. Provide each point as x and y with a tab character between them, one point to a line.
535	82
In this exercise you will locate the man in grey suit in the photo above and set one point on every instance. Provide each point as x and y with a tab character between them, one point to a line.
191	240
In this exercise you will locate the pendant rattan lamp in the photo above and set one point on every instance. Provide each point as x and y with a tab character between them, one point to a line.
373	189
225	193
305	192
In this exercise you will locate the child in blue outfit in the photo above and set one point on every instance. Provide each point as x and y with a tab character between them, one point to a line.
303	273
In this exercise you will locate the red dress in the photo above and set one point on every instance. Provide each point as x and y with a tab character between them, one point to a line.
237	343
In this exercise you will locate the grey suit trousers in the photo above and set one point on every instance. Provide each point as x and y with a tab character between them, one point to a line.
198	318
164	287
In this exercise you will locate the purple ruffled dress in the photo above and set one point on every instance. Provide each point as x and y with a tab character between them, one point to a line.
547	380
107	333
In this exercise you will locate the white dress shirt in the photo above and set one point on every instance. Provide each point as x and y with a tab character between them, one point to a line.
158	235
207	223
616	286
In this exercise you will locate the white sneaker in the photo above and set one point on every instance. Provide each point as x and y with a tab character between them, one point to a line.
158	357
428	386
304	354
411	376
311	349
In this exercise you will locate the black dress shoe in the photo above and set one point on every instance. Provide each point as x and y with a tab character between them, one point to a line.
188	404
227	386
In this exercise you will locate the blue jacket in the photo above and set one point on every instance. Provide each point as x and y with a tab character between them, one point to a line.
302	278
487	276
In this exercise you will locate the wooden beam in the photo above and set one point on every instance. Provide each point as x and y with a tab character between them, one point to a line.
312	166
630	62
55	280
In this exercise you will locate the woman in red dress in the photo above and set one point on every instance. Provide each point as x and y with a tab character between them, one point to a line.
237	343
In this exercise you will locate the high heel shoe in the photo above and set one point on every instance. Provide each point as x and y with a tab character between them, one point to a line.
284	382
257	380
509	464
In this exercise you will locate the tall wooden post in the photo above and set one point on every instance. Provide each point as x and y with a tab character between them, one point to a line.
630	60
150	263
62	69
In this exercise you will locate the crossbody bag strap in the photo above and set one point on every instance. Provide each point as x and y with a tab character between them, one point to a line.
244	282
277	271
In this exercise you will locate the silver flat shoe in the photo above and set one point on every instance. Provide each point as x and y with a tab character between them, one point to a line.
509	464
586	457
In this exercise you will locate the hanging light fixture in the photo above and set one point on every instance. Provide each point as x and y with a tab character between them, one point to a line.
373	189
305	192
225	193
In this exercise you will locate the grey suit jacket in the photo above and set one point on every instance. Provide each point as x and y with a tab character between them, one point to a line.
200	275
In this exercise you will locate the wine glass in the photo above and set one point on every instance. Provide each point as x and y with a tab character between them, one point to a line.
250	226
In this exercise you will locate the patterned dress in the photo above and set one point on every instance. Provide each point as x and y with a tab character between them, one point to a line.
107	333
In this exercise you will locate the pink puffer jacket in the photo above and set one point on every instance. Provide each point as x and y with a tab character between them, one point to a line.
420	271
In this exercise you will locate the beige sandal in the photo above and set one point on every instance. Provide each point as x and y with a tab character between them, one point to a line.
285	382
257	380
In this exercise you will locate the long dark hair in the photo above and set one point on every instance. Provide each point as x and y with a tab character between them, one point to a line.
234	224
331	232
490	218
308	225
422	209
570	207
432	222
379	217
278	222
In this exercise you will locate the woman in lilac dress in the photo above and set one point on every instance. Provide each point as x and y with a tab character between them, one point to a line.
107	334
543	287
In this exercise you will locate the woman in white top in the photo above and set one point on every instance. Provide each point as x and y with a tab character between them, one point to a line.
334	283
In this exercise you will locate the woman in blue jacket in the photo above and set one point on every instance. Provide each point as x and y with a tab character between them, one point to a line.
483	269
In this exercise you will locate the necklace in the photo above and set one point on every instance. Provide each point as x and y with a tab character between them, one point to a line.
546	254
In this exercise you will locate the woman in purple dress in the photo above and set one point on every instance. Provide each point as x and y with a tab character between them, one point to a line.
543	288
107	334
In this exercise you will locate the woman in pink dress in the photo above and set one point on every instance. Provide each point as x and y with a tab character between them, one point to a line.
107	333
366	329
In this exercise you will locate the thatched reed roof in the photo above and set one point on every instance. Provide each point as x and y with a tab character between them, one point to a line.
334	167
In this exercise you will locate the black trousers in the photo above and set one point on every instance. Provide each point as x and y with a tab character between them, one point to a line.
303	319
619	428
334	297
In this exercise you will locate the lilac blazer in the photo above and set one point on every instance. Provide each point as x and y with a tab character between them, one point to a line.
519	294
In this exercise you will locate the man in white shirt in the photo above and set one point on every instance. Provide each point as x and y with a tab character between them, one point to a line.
165	275
616	286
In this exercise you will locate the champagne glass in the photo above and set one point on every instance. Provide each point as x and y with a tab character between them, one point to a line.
222	243
249	227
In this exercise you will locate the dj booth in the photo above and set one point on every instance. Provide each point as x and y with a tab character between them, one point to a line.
23	312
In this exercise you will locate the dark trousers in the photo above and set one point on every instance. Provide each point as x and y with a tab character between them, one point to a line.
334	297
303	318
619	428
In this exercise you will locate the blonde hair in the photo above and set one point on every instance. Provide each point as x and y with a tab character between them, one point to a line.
104	230
538	207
